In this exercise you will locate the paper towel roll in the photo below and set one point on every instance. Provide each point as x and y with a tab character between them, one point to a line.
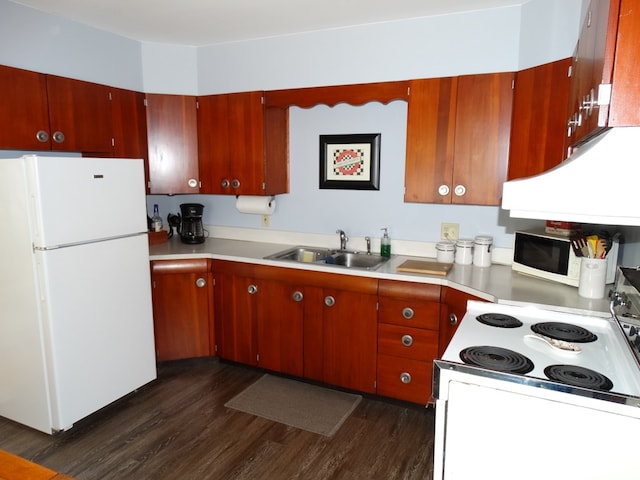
255	205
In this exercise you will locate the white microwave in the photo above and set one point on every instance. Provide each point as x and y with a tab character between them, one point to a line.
551	257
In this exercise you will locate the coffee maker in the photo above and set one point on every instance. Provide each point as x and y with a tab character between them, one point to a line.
190	228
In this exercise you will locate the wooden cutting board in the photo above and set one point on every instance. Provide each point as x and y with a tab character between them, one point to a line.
423	266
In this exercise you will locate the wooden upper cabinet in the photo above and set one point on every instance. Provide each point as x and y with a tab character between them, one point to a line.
458	139
539	118
24	110
242	145
430	139
46	112
80	116
173	144
129	124
483	128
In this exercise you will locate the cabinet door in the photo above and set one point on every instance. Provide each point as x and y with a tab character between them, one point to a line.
453	309
350	336
173	144
80	116
129	124
181	313
24	114
483	126
539	119
231	143
235	299
430	140
279	320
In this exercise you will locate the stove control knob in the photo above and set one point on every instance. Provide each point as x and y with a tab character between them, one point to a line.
405	377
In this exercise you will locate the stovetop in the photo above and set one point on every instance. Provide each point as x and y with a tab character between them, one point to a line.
601	349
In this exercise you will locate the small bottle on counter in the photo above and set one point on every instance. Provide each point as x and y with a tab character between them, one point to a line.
482	250
156	220
445	252
464	251
385	244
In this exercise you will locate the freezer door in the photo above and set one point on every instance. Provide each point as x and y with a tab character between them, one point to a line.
75	200
98	324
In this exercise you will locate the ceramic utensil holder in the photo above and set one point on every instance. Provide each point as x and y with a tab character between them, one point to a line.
593	272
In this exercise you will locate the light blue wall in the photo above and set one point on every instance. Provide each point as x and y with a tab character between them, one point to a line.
501	39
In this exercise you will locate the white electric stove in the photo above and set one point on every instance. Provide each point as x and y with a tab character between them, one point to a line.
530	393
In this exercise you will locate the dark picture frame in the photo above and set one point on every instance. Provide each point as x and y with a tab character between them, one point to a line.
350	162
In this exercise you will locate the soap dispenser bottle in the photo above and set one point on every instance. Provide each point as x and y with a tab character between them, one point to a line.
385	243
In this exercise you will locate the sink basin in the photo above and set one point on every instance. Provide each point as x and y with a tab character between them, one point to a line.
356	260
327	256
303	254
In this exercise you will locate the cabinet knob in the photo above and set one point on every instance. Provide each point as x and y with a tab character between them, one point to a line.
224	183
329	301
58	137
235	183
252	289
460	190
407	340
405	377
408	313
201	282
453	319
42	136
192	182
297	296
443	190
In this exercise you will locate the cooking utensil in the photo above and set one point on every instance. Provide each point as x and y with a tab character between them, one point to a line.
555	343
576	244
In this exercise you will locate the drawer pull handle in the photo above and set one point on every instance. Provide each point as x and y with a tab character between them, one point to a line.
405	377
252	289
201	282
297	296
329	301
407	340
453	319
408	313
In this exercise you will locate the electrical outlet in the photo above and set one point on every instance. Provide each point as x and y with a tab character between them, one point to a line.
449	231
265	220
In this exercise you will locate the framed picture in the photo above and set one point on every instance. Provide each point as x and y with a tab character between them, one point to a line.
350	162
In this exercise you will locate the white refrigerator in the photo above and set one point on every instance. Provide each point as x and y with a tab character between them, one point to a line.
76	326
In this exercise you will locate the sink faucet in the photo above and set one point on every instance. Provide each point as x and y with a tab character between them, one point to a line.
368	240
343	239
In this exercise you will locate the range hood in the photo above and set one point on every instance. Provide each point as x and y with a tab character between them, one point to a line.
598	184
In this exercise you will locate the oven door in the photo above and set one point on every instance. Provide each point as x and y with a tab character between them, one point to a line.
488	432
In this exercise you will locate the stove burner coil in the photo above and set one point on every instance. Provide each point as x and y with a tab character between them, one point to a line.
564	331
496	358
499	320
578	377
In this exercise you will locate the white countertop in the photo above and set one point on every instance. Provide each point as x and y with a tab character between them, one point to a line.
497	283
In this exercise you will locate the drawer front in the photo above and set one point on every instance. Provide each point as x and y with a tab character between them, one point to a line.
409	313
406	342
404	379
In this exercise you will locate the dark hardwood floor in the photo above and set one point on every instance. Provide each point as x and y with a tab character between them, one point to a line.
178	428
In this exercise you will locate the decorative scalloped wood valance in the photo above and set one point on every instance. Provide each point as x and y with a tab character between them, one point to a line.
355	94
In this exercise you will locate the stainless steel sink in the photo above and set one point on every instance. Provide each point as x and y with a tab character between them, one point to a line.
356	260
327	256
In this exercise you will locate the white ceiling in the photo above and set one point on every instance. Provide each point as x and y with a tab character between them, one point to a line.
205	22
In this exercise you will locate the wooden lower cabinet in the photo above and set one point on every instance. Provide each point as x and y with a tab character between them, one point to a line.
309	324
408	338
182	301
454	306
258	317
